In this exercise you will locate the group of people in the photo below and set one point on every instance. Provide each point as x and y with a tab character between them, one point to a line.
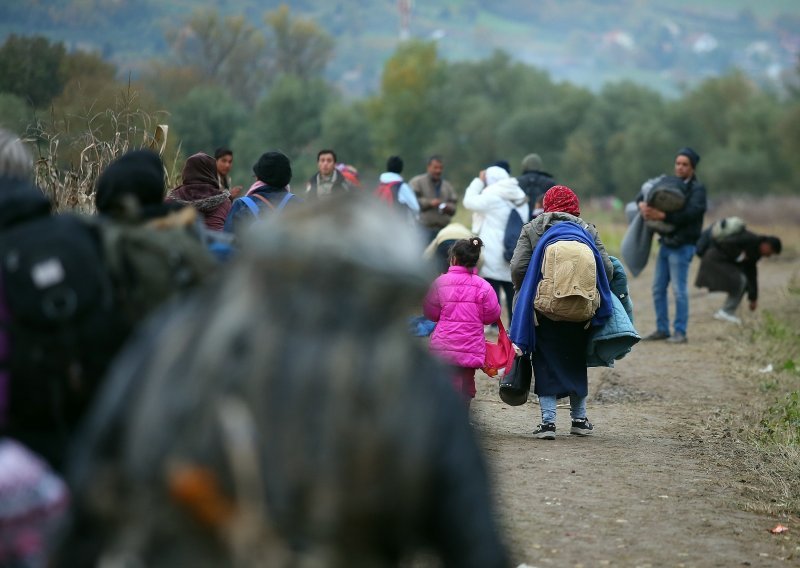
278	410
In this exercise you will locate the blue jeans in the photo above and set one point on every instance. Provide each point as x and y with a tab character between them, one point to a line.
672	266
548	405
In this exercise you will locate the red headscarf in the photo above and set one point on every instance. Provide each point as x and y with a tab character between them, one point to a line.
562	199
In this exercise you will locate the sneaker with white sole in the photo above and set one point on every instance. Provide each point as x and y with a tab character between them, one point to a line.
581	427
722	315
545	431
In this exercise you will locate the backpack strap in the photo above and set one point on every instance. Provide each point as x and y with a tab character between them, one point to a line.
251	205
284	201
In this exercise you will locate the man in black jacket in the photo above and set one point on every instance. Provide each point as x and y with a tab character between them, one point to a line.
677	249
729	265
534	182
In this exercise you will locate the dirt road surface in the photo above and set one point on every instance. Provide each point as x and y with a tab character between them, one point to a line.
645	489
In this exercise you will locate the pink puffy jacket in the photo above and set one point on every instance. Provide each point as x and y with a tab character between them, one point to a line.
462	302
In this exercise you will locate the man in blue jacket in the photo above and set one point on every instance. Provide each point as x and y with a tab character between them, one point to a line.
677	249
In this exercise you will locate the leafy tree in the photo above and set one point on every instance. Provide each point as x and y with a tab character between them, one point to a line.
225	51
347	129
31	67
14	113
206	119
289	118
296	46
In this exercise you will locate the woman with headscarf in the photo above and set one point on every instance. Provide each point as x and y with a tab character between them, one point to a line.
200	189
559	351
492	196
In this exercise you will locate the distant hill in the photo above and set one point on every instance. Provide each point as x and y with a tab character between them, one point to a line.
666	45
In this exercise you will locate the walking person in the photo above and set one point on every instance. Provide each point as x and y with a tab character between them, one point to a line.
677	249
462	303
492	196
558	346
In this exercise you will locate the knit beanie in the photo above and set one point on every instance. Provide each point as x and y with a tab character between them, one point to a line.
139	173
531	162
693	156
274	169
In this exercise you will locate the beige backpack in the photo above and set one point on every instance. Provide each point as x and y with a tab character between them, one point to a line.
568	288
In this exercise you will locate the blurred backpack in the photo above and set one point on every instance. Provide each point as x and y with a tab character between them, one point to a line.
719	231
667	194
511	236
61	324
152	261
387	192
568	288
727	227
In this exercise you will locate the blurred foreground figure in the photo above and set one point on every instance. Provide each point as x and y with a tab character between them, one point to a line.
286	418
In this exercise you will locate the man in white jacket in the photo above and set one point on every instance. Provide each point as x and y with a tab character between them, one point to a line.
491	197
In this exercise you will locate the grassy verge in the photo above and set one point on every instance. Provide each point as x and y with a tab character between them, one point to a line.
765	443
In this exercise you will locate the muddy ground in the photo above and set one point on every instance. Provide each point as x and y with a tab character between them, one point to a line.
646	489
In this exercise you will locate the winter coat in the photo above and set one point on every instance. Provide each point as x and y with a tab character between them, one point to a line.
523	323
492	206
240	214
431	216
462	303
535	184
613	340
726	260
200	189
619	286
529	238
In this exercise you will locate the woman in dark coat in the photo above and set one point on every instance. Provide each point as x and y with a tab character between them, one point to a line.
729	265
201	190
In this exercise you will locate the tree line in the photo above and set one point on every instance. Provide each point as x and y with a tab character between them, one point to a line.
227	81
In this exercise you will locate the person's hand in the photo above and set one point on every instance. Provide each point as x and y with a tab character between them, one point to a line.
482	176
753	305
436	202
651	213
236	191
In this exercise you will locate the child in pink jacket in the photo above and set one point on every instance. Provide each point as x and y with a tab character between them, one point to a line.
462	303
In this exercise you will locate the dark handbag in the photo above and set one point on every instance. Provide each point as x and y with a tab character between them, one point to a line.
515	385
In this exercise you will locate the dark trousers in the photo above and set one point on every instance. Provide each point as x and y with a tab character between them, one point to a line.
508	289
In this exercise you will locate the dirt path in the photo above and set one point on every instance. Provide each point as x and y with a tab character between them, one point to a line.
643	491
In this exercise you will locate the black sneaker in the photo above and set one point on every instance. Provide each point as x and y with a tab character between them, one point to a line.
545	431
581	427
677	338
656	336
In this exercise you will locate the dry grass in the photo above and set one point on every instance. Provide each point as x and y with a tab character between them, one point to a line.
760	442
72	151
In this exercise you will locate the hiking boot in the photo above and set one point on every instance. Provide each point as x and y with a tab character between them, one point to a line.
722	315
656	335
581	427
545	431
677	338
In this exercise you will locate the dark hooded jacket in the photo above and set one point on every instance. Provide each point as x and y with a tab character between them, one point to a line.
201	190
726	260
135	179
535	184
21	201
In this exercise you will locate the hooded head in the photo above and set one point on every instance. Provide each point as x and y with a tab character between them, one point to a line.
561	199
200	169
495	174
138	174
274	169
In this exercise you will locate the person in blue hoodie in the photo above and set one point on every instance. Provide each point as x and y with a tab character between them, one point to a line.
557	348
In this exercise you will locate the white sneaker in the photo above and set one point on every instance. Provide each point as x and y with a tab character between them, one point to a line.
722	315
